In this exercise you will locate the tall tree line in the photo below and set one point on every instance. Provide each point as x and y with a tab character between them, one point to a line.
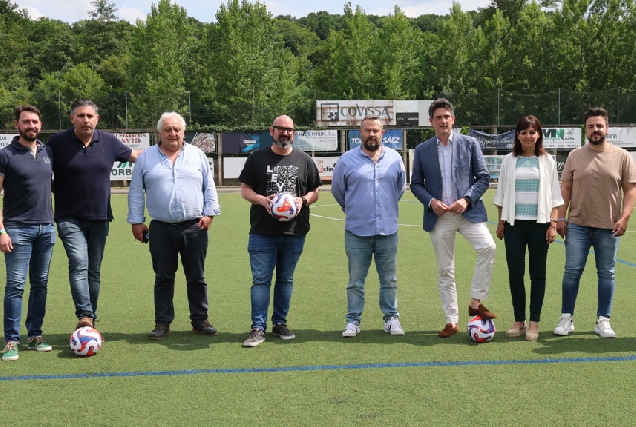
550	58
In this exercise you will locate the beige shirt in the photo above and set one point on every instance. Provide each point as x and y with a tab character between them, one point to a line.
597	182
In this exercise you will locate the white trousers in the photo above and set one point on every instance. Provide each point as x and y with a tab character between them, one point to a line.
443	239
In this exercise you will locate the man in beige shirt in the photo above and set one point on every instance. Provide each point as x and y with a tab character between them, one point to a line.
598	186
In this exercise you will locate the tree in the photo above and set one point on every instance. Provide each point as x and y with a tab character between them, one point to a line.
104	11
56	91
159	54
51	48
256	77
400	46
351	72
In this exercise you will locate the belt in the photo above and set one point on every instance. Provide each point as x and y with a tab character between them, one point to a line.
188	221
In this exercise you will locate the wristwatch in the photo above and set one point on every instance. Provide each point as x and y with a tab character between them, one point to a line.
305	203
468	199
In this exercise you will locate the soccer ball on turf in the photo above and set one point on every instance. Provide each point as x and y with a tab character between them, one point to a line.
481	330
284	207
86	341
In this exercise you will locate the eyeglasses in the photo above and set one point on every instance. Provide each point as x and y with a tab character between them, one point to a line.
282	129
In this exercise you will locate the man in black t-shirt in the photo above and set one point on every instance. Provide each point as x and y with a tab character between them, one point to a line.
273	244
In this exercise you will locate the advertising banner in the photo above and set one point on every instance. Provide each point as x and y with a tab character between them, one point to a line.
205	141
316	140
122	171
6	138
553	138
490	141
325	166
392	138
622	137
241	142
349	113
561	138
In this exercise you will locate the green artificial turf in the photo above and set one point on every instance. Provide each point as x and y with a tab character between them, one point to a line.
320	378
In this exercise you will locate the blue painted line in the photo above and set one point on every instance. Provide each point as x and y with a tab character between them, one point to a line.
321	368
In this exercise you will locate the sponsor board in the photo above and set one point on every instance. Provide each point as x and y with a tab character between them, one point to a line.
6	138
349	113
122	171
392	138
316	140
325	166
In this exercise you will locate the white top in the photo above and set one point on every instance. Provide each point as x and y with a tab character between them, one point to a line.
549	189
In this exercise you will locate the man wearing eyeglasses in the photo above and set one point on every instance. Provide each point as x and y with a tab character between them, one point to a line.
83	158
273	244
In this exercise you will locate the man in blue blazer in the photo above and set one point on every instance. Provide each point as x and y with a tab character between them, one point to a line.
449	177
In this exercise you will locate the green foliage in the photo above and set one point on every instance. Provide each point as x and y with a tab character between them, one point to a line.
159	53
509	58
55	93
256	77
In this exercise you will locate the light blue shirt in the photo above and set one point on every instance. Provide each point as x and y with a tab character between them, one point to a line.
369	192
175	192
445	154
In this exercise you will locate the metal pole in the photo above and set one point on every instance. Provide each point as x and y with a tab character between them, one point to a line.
59	108
498	105
559	117
189	108
618	105
126	94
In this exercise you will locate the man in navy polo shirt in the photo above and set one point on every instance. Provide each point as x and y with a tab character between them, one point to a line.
27	234
82	161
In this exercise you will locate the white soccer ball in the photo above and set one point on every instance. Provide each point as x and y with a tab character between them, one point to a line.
284	207
86	341
481	330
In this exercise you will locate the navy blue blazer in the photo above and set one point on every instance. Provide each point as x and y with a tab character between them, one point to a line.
470	176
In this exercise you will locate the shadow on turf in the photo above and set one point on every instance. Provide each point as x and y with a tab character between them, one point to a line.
584	342
548	344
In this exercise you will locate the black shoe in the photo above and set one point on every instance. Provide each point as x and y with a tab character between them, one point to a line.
160	332
204	328
281	331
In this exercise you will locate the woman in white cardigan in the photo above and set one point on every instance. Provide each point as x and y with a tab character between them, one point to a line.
527	198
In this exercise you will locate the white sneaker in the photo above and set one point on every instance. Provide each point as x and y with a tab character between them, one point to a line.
351	330
603	328
565	325
393	326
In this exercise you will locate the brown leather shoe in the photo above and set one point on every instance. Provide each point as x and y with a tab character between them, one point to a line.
481	311
85	321
448	331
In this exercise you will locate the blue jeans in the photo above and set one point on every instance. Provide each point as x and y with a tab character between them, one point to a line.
360	250
32	249
578	241
280	251
167	242
84	242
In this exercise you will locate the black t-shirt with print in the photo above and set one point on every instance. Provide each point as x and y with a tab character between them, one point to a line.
269	173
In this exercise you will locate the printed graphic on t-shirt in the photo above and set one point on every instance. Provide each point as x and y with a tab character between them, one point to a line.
281	179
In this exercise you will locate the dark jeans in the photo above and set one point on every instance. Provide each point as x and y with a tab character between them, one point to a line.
84	242
167	241
516	238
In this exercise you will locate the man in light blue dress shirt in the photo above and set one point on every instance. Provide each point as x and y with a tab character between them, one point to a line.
368	182
182	200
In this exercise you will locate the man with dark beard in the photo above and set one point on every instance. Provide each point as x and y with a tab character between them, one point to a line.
273	244
368	182
27	233
591	184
